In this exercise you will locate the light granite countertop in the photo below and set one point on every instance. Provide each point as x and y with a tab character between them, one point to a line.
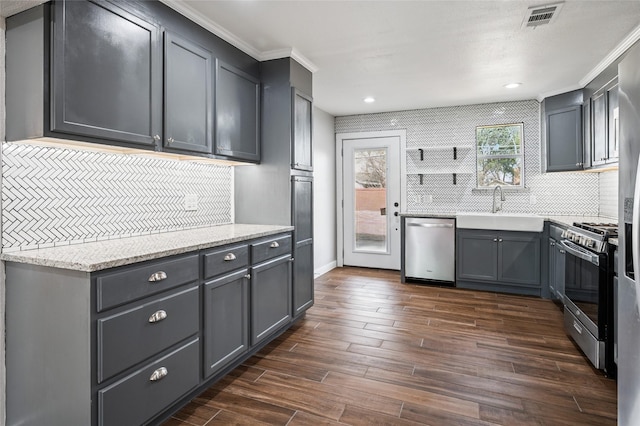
96	256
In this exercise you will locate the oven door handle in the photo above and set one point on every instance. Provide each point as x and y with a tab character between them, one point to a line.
573	250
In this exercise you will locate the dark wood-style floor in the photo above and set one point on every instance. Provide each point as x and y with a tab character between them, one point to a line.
375	351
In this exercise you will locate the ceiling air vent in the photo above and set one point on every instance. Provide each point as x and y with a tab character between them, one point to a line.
541	15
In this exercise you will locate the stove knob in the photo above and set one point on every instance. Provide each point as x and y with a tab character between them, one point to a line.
564	234
591	244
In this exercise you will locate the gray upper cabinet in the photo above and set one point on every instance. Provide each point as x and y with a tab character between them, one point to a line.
601	116
237	113
302	129
188	102
599	129
563	132
106	74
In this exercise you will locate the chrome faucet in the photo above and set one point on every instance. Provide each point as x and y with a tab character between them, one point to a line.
495	209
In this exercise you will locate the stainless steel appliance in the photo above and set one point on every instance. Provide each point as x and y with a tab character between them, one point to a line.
588	314
629	215
429	250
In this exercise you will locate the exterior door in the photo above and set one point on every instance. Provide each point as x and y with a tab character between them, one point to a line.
371	193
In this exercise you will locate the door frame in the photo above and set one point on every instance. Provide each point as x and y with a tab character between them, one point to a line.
340	138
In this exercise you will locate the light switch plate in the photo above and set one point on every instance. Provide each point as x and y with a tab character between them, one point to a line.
191	202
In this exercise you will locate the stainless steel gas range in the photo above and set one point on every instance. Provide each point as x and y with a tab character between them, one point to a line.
589	308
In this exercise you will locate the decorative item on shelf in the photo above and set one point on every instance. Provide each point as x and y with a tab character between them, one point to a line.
421	154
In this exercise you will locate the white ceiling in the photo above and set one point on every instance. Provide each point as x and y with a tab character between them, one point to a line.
417	54
421	54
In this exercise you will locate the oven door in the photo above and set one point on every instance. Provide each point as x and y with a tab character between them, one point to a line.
585	278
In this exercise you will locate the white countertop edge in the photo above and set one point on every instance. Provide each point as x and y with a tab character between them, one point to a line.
99	255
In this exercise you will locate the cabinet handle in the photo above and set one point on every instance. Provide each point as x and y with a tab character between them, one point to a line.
157	276
274	244
495	240
248	276
160	373
171	140
577	327
499	240
562	252
156	138
292	259
552	244
229	257
158	316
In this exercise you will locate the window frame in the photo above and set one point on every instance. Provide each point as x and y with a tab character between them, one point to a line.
521	156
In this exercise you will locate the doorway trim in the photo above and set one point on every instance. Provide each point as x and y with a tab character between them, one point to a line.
340	138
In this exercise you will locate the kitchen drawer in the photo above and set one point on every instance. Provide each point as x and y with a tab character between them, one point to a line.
225	259
592	347
134	335
144	279
138	397
270	248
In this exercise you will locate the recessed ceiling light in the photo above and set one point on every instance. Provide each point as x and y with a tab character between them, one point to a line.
369	99
512	85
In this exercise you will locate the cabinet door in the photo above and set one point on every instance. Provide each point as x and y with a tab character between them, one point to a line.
270	297
519	259
302	129
188	104
237	113
552	268
303	277
477	257
599	148
226	320
106	73
302	207
559	271
613	123
564	139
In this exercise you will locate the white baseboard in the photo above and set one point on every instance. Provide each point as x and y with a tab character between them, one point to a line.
324	269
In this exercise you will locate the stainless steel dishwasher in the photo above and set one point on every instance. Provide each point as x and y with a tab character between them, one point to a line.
428	252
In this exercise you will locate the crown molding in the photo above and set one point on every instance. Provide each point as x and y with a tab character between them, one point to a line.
622	47
543	96
187	11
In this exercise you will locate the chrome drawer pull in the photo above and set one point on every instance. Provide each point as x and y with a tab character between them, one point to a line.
248	276
158	316
577	327
229	257
160	373
157	276
274	244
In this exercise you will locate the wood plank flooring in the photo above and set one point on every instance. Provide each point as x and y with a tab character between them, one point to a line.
375	351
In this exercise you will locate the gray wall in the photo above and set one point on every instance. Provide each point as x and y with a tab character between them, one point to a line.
324	181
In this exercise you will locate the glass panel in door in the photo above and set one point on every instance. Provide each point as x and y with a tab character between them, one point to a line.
370	190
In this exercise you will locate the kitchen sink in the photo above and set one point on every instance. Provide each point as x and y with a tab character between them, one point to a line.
500	221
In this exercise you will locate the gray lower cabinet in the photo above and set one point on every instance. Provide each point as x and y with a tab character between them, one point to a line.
556	264
498	261
130	345
302	131
226	320
270	297
303	277
188	93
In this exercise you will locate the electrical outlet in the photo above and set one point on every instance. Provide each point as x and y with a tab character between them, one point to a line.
190	202
532	199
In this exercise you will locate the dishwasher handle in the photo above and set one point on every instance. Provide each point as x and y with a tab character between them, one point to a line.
431	225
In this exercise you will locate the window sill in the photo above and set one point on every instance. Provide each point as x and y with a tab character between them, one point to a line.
506	190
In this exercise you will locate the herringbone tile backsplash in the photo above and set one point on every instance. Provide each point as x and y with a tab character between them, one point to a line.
53	196
545	193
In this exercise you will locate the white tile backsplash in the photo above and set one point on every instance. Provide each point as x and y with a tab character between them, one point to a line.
553	193
66	196
609	194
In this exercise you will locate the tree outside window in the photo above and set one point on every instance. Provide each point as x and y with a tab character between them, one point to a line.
500	155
